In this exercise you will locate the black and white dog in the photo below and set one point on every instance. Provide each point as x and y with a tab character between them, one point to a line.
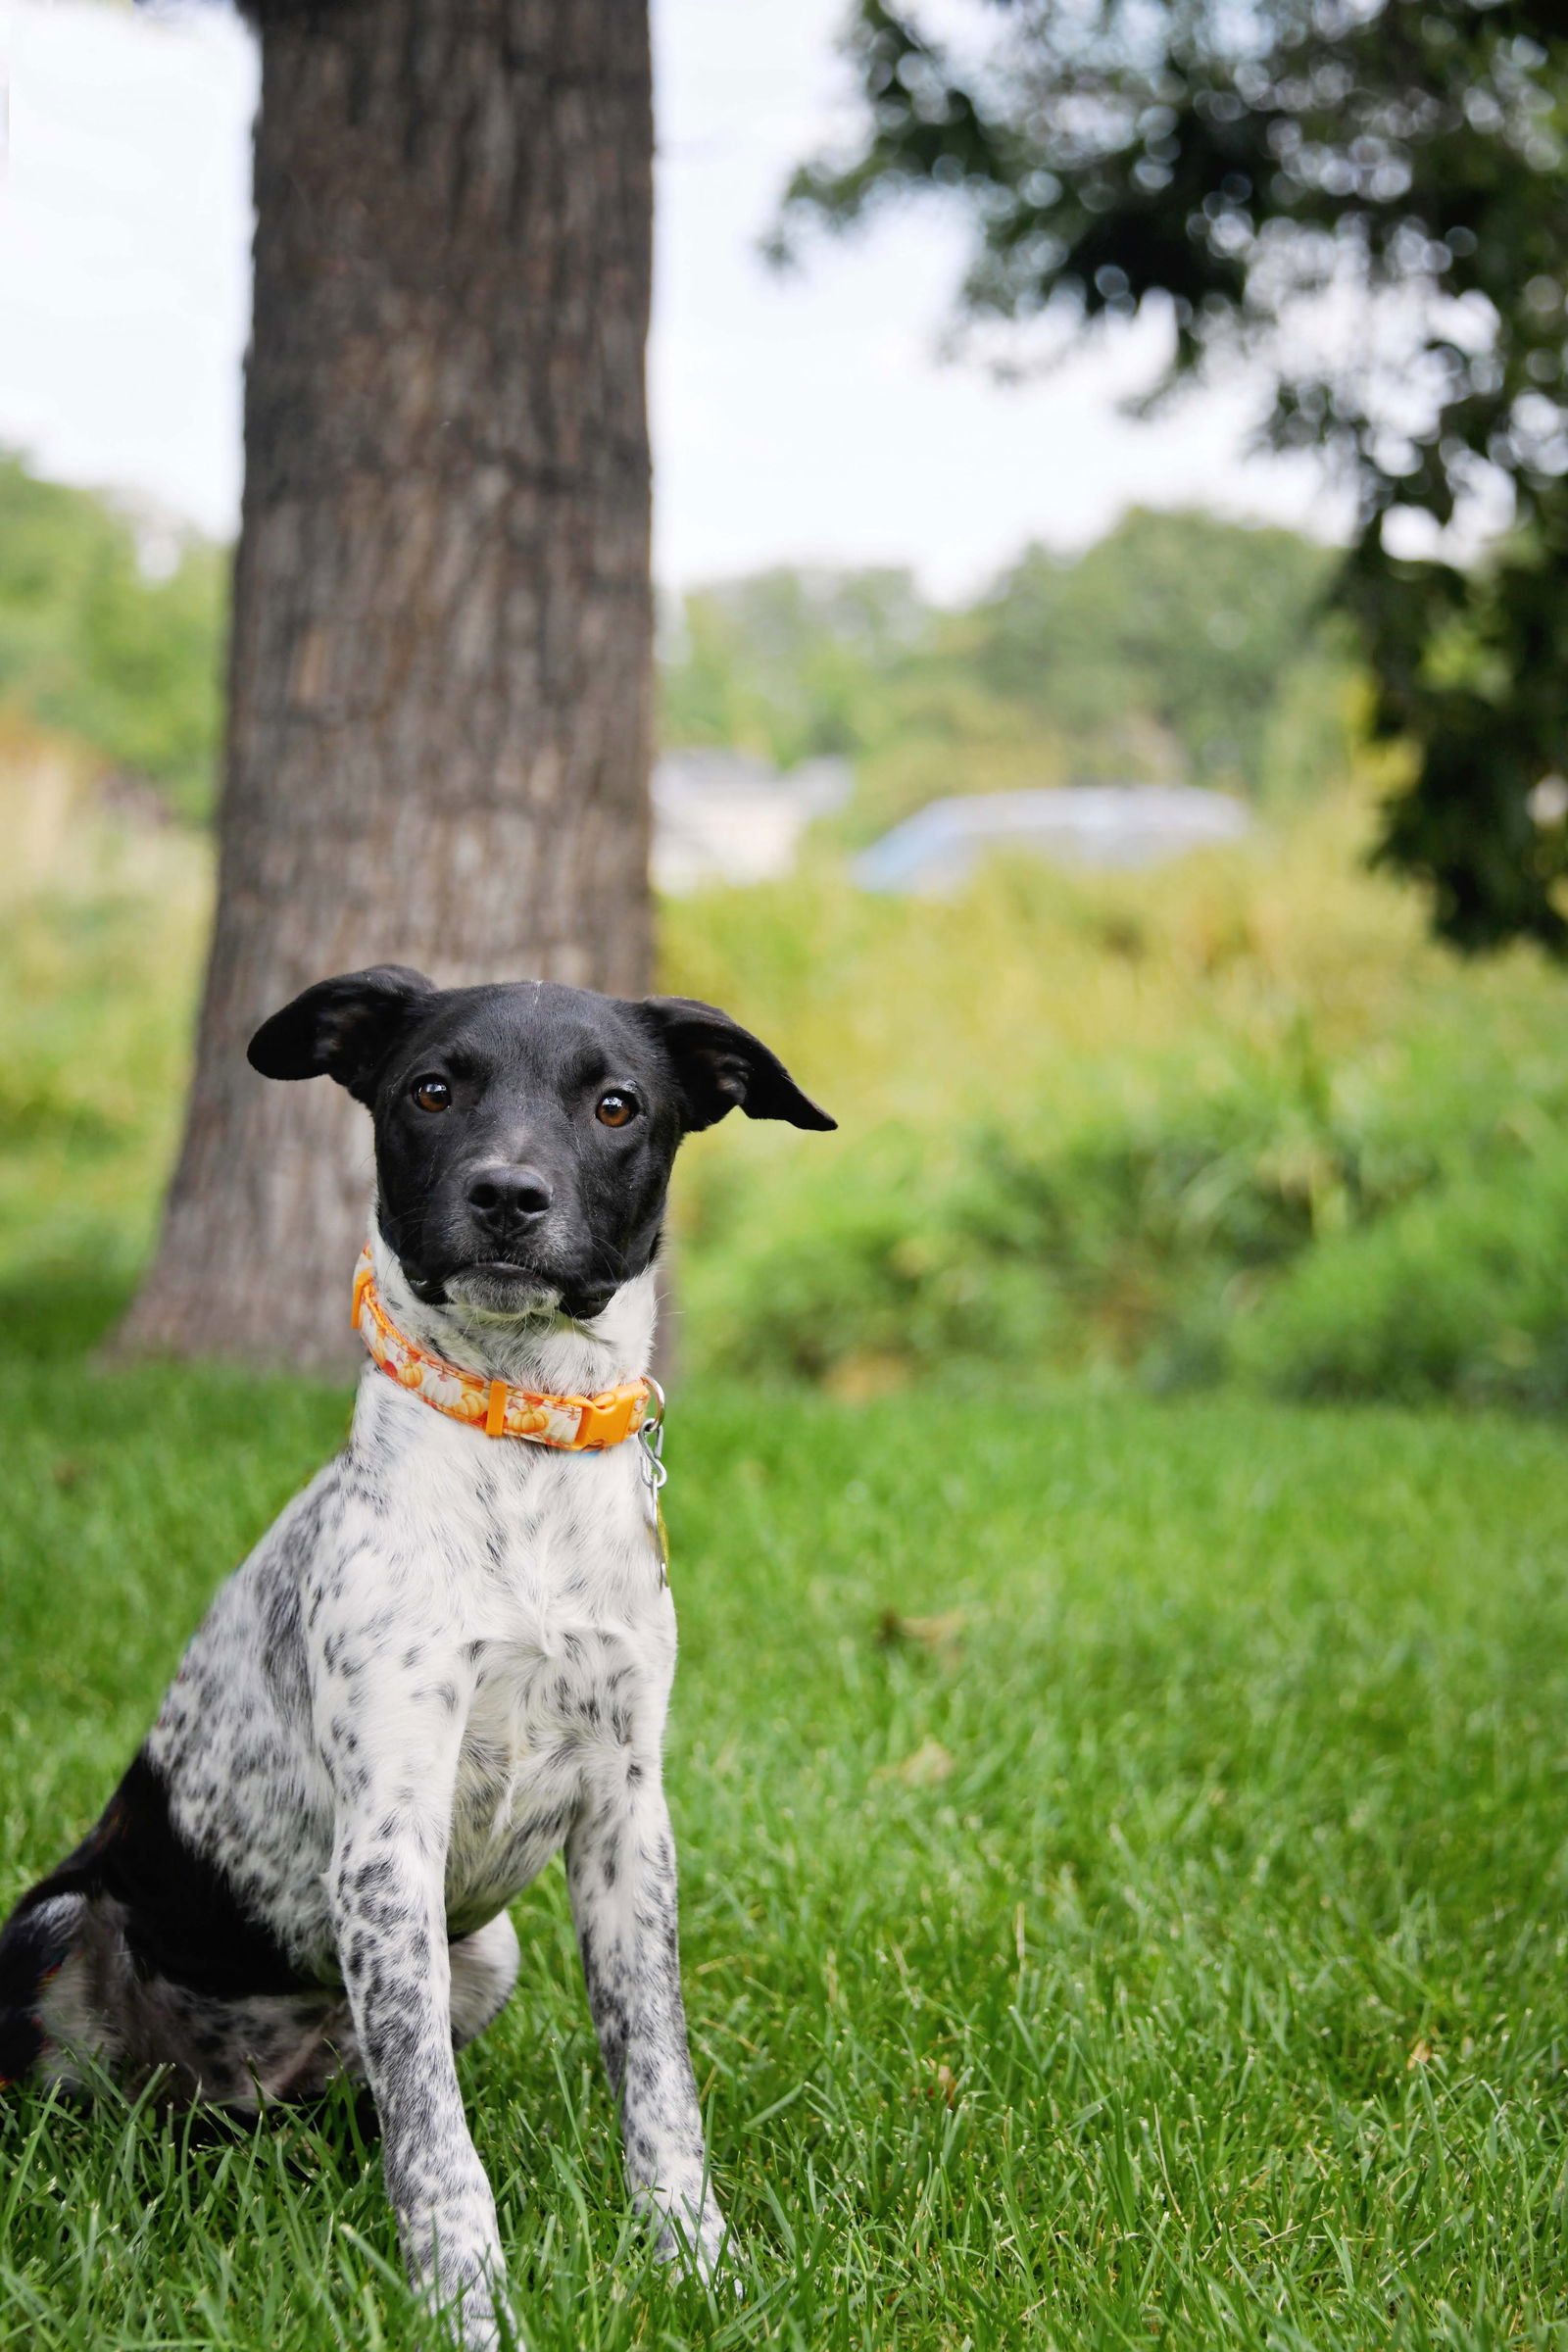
449	1658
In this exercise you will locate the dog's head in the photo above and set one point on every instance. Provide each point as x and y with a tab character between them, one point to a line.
524	1134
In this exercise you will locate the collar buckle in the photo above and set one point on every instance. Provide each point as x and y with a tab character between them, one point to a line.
615	1414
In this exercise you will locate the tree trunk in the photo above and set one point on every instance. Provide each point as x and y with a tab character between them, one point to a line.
438	733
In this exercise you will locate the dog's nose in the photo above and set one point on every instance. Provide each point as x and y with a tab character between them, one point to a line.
508	1196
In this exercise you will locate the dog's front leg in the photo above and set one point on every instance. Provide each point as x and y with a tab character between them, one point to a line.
620	1868
389	1913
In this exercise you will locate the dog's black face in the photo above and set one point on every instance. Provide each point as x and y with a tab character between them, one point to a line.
524	1134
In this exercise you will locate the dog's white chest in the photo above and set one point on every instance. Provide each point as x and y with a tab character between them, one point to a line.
548	1733
572	1642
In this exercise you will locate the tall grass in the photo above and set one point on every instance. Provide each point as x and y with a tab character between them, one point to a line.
1111	1122
1235	1118
102	928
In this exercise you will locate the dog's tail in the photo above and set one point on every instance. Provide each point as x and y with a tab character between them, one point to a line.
35	1942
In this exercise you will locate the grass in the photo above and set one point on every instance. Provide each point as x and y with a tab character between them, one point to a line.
1124	1869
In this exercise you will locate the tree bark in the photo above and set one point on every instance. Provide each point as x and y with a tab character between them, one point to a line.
439	717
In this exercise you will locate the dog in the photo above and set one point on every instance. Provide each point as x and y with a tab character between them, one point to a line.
450	1658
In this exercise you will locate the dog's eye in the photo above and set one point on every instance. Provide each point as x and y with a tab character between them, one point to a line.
615	1109
432	1094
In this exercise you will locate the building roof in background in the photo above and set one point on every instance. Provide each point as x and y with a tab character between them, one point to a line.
1084	824
727	816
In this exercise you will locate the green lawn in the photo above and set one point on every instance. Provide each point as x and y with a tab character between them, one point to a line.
1169	1948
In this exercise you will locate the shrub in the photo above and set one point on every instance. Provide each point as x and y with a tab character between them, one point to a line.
1461	1293
1131	1241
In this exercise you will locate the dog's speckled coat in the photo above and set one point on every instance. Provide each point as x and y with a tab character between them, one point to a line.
447	1661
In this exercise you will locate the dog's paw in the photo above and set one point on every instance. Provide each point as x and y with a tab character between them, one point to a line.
479	2320
470	2310
691	2237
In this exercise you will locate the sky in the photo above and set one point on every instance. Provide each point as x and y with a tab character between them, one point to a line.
802	419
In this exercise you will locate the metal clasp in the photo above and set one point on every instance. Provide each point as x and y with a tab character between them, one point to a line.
651	1438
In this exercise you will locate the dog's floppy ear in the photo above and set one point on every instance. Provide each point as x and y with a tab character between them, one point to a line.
718	1064
344	1028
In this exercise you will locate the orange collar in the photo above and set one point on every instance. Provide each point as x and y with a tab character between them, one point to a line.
574	1424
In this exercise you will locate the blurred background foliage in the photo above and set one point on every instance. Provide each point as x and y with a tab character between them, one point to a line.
112	633
1366	202
1239	1118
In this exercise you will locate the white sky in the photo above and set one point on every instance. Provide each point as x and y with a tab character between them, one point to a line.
803	419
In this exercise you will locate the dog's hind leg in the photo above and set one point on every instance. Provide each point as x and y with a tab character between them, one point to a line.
484	1969
72	2003
39	1941
66	1989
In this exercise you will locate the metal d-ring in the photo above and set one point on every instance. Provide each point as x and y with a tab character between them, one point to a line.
651	1436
